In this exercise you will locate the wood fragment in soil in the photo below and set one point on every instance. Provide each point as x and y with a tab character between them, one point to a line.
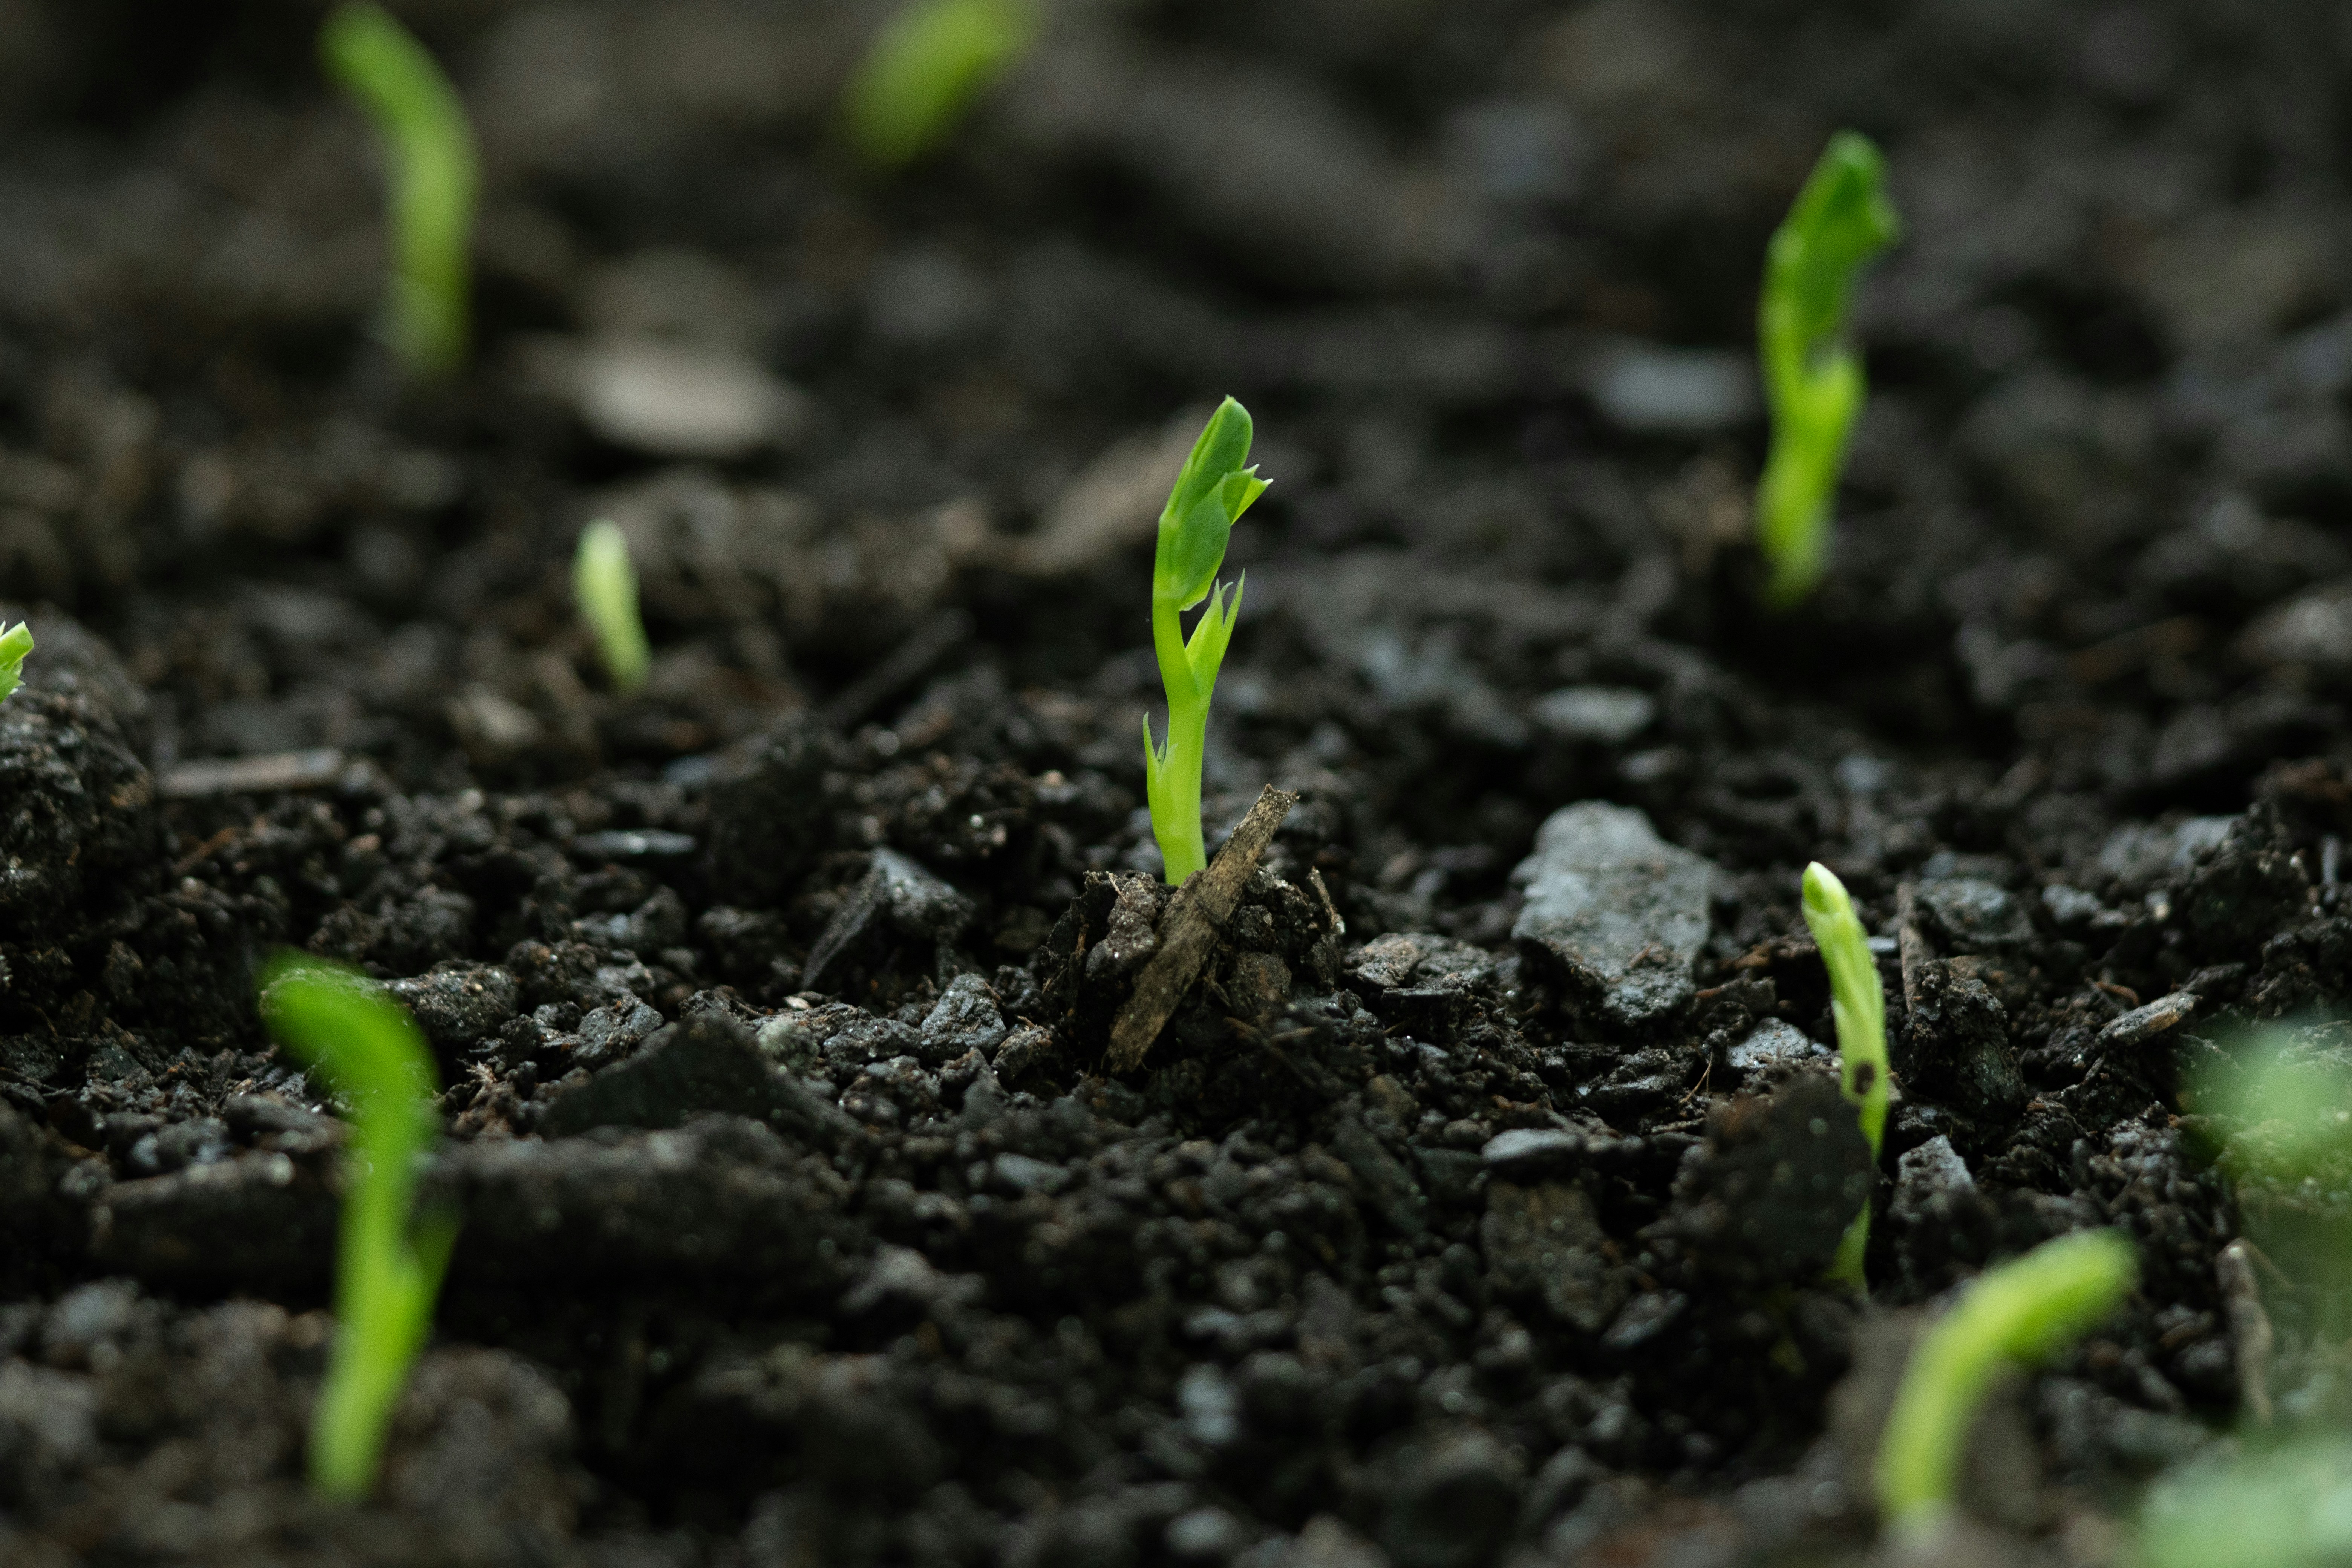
2250	1327
1910	944
1189	928
251	775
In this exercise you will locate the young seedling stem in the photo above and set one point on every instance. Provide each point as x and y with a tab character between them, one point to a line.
1858	1006
15	644
1212	490
605	584
1812	378
430	148
2026	1311
930	60
389	1266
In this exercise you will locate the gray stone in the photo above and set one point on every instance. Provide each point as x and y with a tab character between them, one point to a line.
1956	1046
1026	1174
1777	1045
1528	1149
897	895
1613	911
865	1040
1545	1242
795	1039
1927	1180
677	399
1976	916
2142	1024
1649	387
707	1063
1607	715
459	1003
1419	960
610	1032
964	1020
2070	907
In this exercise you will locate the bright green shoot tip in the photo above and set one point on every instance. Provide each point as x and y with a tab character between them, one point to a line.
390	1266
1213	490
15	644
606	587
430	148
1812	378
2026	1311
1858	1006
924	70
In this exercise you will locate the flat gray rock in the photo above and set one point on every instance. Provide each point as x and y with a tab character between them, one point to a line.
1613	911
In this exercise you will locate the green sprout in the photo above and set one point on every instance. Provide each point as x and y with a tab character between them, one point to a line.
1812	378
430	146
1858	1004
605	585
15	644
2289	1507
1212	490
389	1268
2026	1311
925	68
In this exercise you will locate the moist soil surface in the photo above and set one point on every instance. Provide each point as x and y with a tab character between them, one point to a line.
1472	1203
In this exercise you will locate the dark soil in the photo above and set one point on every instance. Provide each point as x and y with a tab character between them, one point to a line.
1472	1207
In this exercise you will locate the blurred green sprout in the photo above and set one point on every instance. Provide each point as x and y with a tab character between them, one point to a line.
605	586
1858	1006
924	70
2283	1508
434	177
1812	378
390	1263
2025	1311
1213	490
15	644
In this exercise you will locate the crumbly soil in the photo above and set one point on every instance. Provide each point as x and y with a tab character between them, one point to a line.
1458	1216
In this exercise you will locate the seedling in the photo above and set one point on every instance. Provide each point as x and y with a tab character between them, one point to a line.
2289	1507
925	68
389	1267
2023	1311
1858	1006
1812	378
1212	490
15	644
430	148
606	587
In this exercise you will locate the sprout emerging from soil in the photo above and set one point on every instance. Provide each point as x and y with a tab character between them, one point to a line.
2025	1311
15	644
925	68
1212	491
1858	1004
430	147
389	1268
605	585
1812	378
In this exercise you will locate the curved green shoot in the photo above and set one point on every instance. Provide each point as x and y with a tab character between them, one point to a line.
1213	490
925	68
15	644
389	1268
605	585
1858	1004
1812	379
434	177
2025	1311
